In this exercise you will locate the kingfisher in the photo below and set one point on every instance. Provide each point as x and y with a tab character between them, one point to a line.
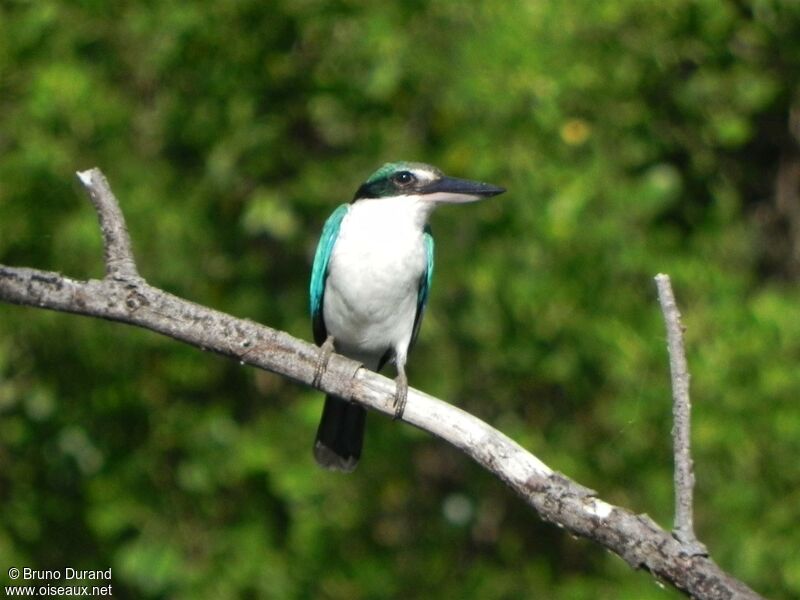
369	286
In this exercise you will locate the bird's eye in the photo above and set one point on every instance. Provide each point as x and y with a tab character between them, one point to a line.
403	178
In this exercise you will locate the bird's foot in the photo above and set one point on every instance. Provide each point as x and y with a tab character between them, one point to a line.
400	395
324	356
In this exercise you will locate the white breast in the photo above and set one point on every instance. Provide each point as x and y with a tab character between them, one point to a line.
373	277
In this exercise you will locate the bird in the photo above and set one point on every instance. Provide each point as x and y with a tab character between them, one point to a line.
370	282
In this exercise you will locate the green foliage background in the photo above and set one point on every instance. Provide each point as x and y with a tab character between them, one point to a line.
633	137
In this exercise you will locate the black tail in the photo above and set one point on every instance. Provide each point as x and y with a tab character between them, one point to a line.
340	435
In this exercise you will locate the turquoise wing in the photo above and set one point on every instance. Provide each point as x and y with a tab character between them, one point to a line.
319	272
424	285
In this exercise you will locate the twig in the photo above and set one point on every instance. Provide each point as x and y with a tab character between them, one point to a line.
681	414
117	252
123	296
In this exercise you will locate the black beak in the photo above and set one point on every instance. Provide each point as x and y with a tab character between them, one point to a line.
452	189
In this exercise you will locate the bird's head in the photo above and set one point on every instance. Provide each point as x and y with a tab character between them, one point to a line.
422	181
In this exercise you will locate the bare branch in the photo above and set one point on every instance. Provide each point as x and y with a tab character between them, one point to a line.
681	414
118	255
123	296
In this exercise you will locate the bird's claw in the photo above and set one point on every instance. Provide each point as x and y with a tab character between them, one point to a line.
400	396
323	357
